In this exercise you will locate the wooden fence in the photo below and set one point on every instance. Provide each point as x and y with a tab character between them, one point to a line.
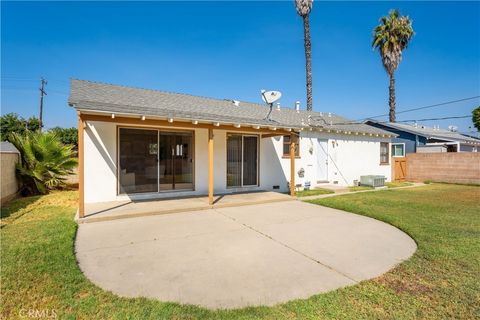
454	167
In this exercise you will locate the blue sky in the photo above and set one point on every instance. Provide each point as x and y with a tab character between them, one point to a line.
234	49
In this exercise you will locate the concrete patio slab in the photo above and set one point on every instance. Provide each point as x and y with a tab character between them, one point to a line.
105	211
233	257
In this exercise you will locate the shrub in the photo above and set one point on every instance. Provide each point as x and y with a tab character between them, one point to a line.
12	122
45	161
66	135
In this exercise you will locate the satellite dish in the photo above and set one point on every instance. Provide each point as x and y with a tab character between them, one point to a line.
452	128
271	96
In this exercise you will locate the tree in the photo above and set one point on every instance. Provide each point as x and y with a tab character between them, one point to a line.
476	117
304	7
12	122
45	161
68	136
391	37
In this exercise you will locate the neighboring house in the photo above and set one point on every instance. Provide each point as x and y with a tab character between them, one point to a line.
412	138
9	157
141	144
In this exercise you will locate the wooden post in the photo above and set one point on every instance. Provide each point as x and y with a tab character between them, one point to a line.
81	178
210	166
292	164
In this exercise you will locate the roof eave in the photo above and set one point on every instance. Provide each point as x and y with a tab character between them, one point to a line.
200	120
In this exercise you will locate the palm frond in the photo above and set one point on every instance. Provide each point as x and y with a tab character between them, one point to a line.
45	161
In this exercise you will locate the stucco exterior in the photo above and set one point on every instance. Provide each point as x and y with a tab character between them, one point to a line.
346	157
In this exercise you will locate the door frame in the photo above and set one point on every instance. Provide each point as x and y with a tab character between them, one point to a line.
241	175
158	129
318	141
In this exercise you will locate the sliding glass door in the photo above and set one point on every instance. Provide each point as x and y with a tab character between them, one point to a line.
242	160
176	161
155	160
138	160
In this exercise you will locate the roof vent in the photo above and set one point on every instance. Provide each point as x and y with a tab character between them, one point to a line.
297	106
236	102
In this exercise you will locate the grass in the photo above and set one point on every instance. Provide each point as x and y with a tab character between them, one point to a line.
440	281
389	185
313	192
398	184
359	188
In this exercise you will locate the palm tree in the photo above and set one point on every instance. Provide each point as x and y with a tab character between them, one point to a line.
303	9
45	161
391	37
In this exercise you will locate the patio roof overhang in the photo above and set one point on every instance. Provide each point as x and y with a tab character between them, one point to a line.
273	129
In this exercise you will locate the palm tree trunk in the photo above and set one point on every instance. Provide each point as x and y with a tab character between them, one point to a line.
391	99
308	58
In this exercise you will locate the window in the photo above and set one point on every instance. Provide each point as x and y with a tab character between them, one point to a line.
384	153
286	146
398	149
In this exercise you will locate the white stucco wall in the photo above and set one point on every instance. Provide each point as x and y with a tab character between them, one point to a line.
348	158
356	156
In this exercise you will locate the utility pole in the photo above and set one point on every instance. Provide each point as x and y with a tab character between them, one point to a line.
42	92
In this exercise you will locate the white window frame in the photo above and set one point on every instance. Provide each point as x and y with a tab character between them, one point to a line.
395	144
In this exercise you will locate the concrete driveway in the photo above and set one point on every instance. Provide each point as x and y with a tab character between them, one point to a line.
261	254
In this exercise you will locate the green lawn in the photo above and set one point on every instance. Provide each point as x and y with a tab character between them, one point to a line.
440	281
313	192
389	185
398	184
360	188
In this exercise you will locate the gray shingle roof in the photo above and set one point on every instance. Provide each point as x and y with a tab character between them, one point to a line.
7	147
430	133
94	96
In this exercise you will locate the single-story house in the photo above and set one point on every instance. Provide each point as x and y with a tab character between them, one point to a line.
412	138
143	144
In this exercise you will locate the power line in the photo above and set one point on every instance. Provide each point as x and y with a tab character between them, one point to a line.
18	78
430	119
33	89
423	107
381	122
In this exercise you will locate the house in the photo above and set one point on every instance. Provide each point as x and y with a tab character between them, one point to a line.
143	144
412	138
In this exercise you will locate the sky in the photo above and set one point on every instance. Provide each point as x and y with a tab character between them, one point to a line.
232	50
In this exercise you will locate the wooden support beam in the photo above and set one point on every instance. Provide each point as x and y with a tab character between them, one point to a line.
175	124
81	167
270	135
210	166
292	164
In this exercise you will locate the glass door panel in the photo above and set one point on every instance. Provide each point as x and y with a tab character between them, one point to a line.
234	160
250	160
166	154
138	171
183	161
176	161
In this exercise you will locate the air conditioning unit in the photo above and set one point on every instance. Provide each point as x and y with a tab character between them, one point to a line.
373	181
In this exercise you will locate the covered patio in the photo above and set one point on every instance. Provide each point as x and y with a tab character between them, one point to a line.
114	210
